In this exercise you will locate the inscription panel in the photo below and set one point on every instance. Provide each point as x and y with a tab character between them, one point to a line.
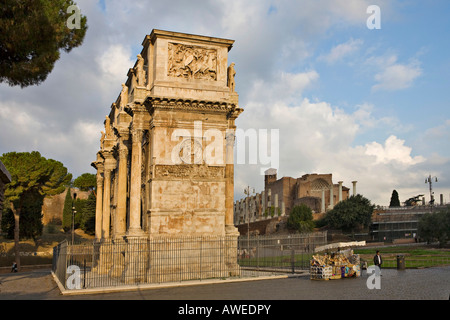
189	171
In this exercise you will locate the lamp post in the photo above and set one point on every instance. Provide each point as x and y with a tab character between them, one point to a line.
73	216
248	191
429	180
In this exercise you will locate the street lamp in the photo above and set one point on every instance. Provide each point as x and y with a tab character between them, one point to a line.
248	191
73	216
429	180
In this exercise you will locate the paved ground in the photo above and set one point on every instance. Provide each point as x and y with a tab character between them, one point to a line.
411	284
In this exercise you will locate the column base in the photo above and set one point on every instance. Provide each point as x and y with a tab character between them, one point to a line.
135	232
231	230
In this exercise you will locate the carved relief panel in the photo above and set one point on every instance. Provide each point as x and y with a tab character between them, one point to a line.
192	62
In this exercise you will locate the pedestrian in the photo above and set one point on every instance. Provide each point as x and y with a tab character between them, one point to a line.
377	259
14	267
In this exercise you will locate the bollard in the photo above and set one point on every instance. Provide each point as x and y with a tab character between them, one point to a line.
401	262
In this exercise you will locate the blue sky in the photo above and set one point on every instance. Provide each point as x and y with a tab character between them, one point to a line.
366	105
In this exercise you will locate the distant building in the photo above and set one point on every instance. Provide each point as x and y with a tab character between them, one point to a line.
399	223
317	191
53	206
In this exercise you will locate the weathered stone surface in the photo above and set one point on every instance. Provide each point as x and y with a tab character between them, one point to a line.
167	132
52	209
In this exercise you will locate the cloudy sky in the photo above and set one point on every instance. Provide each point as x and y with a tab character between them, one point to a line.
371	105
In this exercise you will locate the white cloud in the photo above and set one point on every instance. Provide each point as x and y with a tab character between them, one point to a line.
115	62
316	137
283	85
394	149
341	51
394	75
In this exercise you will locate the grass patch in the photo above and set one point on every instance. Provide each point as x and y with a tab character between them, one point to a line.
415	256
51	237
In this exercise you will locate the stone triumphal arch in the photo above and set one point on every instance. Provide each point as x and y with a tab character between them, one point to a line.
165	164
153	173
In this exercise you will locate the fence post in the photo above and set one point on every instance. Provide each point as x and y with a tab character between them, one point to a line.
293	259
257	252
84	274
201	249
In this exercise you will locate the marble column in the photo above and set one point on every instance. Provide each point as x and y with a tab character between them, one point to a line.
99	204
109	166
121	212
229	182
106	204
275	213
135	183
354	187
263	203
340	190
322	209
331	197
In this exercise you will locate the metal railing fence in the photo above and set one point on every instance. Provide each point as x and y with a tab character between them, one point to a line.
288	253
172	259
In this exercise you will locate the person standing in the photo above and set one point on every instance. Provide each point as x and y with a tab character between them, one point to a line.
377	261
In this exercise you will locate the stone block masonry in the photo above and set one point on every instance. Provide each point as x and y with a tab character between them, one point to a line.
165	165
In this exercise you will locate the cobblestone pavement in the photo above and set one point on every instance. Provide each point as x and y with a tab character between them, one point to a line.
411	284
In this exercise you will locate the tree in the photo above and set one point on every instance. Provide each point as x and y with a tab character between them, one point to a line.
301	219
395	202
351	214
33	33
31	218
79	205
86	182
88	218
67	211
31	174
435	226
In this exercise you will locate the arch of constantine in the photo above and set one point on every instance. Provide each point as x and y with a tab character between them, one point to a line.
165	164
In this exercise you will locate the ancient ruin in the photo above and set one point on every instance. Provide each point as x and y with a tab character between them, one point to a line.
165	165
279	196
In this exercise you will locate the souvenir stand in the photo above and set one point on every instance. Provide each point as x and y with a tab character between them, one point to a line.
336	261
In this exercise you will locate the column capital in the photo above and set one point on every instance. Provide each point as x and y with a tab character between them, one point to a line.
123	132
138	109
137	134
100	179
123	153
110	161
99	166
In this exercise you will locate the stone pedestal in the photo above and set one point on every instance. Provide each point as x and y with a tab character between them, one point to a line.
136	260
